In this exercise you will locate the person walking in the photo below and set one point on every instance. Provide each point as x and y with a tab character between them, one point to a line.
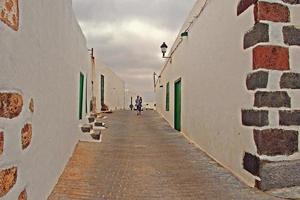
138	104
141	105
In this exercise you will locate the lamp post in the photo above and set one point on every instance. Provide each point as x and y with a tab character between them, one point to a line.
155	79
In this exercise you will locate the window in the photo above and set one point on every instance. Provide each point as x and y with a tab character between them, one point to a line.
168	97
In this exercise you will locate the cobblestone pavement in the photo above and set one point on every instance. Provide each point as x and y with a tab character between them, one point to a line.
143	158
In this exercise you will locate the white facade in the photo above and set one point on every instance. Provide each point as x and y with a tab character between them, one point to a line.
42	60
114	88
213	68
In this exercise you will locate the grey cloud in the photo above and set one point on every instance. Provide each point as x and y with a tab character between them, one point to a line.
163	13
133	53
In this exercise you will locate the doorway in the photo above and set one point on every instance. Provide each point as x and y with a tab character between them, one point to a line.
102	90
81	86
177	105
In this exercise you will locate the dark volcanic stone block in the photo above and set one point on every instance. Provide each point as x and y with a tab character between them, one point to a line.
292	1
279	174
96	136
244	5
23	195
8	178
91	119
259	33
290	81
1	142
271	57
257	80
26	134
274	142
272	99
99	124
291	35
251	163
255	118
86	128
11	105
274	12
273	175
289	118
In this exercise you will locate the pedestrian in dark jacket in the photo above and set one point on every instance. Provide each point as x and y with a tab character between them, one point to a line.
138	103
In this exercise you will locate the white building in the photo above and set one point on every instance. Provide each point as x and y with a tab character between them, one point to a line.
44	60
202	88
45	92
109	88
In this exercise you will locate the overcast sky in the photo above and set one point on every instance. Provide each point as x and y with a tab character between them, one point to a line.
127	34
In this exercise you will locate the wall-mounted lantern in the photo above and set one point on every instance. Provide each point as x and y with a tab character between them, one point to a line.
184	34
164	48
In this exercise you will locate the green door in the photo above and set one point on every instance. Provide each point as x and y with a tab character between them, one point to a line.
81	84
168	97
177	105
86	96
102	90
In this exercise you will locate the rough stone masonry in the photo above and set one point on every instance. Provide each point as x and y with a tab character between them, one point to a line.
272	54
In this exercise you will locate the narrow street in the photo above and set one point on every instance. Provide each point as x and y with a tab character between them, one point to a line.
143	158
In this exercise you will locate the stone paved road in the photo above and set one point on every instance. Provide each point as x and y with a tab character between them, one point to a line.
142	158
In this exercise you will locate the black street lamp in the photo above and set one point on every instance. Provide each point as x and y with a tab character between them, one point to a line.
164	48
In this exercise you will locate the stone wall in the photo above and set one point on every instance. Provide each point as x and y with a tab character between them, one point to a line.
274	117
239	87
42	55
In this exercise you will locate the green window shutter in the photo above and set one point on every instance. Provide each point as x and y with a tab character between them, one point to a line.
168	97
81	85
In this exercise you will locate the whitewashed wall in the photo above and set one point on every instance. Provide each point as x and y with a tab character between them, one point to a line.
213	67
42	61
114	88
